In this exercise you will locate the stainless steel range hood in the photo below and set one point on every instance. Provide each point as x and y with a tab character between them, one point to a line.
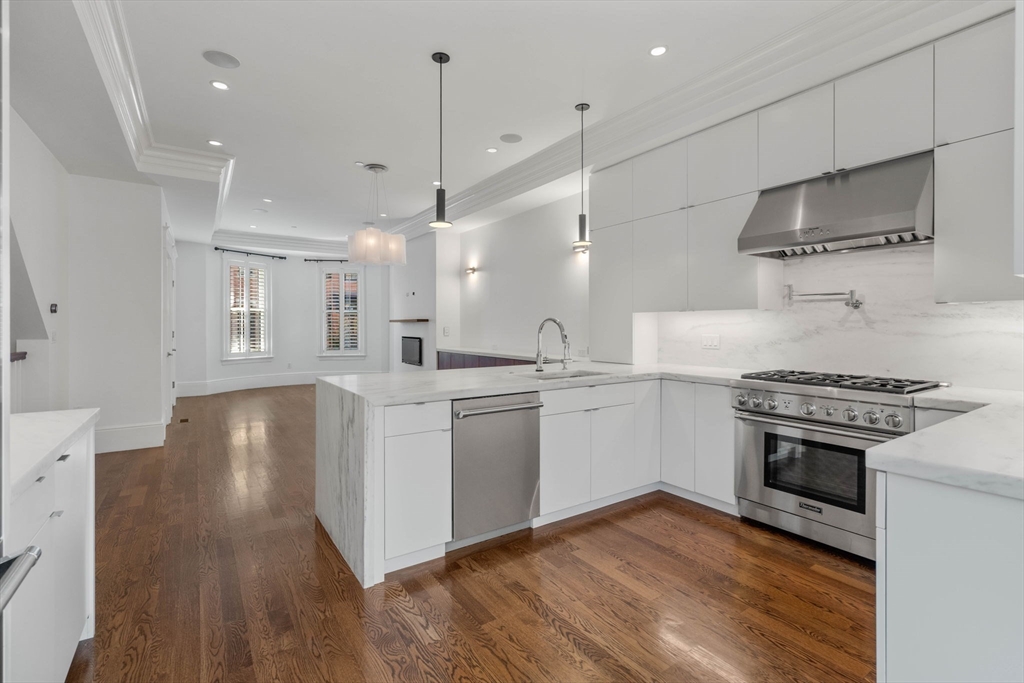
887	204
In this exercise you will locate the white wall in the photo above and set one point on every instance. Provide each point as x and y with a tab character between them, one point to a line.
449	288
527	272
899	330
39	211
295	331
414	295
114	309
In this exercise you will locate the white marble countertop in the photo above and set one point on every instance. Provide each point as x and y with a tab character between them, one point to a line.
983	449
399	388
38	439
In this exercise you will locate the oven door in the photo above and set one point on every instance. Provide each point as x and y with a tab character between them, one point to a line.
813	471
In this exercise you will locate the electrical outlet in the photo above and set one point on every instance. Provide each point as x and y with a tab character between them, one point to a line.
447	331
710	341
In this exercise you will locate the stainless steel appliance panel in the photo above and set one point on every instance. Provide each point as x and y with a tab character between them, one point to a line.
496	462
754	433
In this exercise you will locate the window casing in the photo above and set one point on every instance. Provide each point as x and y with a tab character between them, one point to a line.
247	330
341	311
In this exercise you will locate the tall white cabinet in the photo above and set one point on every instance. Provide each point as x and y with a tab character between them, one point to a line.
795	138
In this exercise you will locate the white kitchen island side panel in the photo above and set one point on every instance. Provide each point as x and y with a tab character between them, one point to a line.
346	485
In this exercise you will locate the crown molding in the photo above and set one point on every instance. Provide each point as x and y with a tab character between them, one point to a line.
297	245
764	74
104	25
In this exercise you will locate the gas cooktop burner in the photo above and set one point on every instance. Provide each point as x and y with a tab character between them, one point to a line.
890	385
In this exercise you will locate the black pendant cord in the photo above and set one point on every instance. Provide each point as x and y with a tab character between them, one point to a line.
440	124
581	159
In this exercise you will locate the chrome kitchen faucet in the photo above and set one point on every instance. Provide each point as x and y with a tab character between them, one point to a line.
565	345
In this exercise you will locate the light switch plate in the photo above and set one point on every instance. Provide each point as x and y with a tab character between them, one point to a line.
710	341
447	331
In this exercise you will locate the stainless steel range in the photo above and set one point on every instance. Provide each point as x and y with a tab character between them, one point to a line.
801	439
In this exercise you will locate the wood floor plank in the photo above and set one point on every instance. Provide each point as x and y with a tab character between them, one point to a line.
211	566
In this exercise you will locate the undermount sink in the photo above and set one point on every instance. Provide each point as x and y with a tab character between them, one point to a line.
564	374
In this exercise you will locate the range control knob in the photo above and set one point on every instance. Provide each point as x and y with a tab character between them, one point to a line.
755	402
807	409
871	417
894	421
850	415
741	400
771	404
830	410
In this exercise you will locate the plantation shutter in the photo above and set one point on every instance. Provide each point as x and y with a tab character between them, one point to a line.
257	332
248	319
236	309
351	327
341	312
332	312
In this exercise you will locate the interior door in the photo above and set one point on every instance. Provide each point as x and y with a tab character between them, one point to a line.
169	341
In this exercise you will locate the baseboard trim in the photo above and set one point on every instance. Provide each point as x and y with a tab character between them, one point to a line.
413	558
280	379
130	437
559	515
732	509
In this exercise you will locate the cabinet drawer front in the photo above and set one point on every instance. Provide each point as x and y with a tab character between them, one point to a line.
30	510
417	417
586	398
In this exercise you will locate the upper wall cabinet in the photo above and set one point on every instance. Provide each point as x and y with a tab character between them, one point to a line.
611	294
659	180
885	111
722	161
611	195
719	277
795	138
974	82
974	221
659	263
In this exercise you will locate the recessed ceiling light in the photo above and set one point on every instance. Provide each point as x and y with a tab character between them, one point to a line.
259	210
252	226
221	59
659	51
437	182
492	150
220	85
215	143
268	201
383	215
359	163
511	138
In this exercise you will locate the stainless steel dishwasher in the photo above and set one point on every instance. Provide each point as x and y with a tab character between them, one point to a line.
495	462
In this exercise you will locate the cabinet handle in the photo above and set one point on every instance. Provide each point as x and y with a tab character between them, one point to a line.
40	479
57	513
64	457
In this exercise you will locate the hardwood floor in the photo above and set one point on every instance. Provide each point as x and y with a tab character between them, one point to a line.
211	567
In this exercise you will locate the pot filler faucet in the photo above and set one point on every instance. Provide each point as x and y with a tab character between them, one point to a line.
565	345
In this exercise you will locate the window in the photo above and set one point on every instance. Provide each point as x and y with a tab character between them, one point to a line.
341	311
247	329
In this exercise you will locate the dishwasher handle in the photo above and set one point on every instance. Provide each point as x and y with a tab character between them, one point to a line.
14	570
460	414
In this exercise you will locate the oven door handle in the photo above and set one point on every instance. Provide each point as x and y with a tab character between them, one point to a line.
814	427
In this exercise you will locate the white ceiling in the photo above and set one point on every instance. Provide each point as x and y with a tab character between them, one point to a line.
323	84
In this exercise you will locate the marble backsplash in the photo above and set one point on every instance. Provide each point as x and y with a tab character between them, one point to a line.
900	330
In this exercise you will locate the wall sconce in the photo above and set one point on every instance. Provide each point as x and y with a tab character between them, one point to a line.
471	270
581	248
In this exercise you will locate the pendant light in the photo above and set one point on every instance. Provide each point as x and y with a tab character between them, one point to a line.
370	245
439	218
582	243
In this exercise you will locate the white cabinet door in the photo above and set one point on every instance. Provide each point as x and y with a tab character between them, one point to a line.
719	277
611	294
612	466
714	443
659	180
29	619
417	492
795	139
722	161
70	535
659	263
564	461
885	111
974	221
974	82
611	195
647	421
677	433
